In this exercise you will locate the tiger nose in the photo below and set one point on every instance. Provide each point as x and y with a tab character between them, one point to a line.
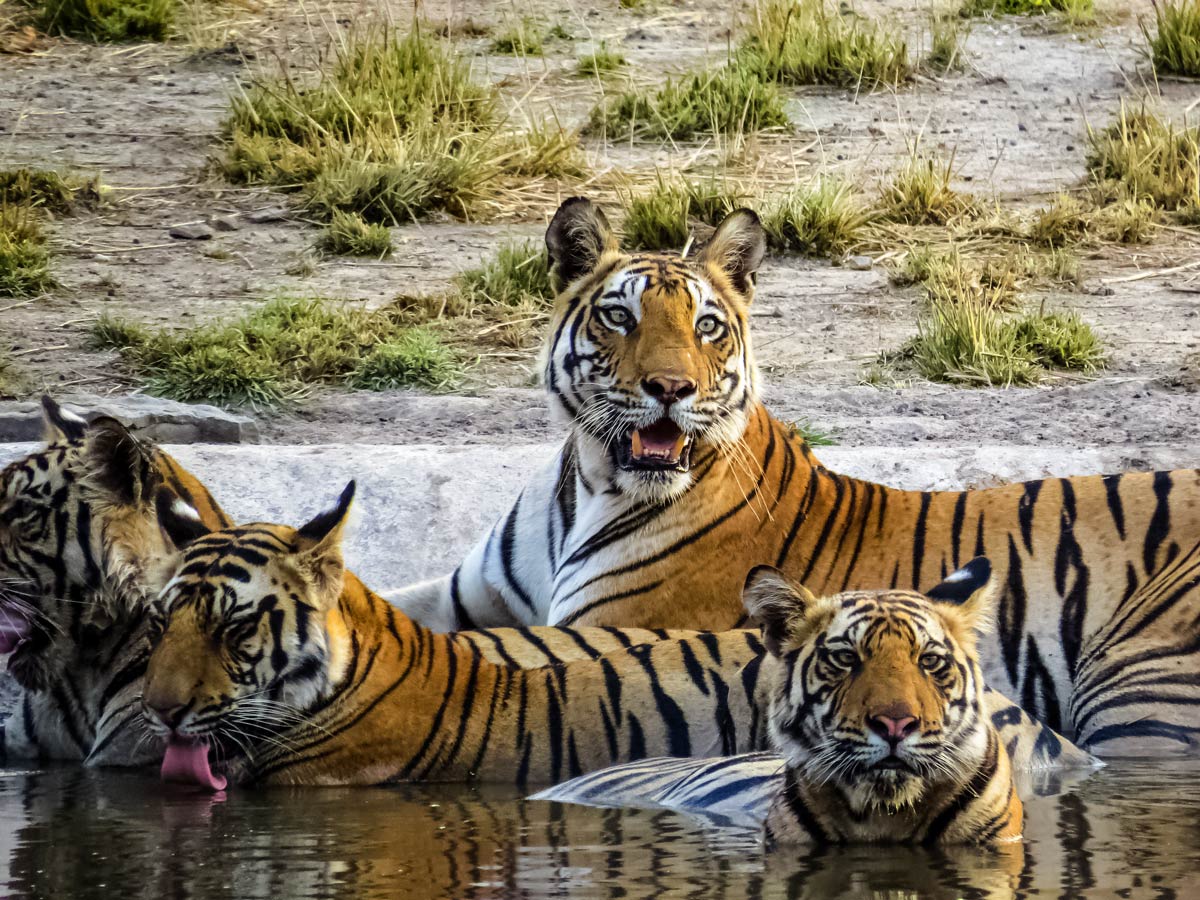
170	714
893	729
668	388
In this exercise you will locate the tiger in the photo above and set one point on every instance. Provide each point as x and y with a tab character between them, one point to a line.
877	714
79	543
675	480
277	662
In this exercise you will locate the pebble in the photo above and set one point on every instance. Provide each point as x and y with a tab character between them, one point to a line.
270	214
224	223
197	232
861	263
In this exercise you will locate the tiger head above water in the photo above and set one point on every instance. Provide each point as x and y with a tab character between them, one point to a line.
649	353
877	706
248	633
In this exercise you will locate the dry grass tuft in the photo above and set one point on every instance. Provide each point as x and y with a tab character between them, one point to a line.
600	62
730	100
1076	12
1062	223
394	128
947	44
921	193
516	275
1143	157
522	38
806	42
825	218
660	219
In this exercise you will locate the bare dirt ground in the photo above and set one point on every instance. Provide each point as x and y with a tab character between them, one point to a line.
146	118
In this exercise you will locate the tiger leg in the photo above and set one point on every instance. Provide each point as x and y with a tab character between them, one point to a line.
1031	745
1137	680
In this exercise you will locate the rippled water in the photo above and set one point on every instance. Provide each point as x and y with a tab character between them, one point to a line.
1131	830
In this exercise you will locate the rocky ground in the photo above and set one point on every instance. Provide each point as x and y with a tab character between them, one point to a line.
146	119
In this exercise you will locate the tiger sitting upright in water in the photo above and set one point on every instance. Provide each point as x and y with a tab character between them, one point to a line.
281	665
675	481
877	716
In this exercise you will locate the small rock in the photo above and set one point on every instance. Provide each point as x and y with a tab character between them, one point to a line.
861	263
224	223
270	214
196	232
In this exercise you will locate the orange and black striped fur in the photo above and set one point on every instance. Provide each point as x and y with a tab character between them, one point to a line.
79	542
675	481
877	707
291	671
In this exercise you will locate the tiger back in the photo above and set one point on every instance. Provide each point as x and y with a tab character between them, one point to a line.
314	679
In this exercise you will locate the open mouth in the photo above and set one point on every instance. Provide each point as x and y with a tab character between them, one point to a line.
660	446
186	762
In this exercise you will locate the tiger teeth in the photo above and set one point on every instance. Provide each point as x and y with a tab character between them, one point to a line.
638	450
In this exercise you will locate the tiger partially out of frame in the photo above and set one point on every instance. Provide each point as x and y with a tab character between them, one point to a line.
675	481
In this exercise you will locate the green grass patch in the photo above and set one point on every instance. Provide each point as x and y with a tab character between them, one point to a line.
807	42
106	20
522	38
660	219
921	194
349	234
971	344
394	128
1142	156
277	351
24	258
730	100
824	218
599	62
1175	43
1077	11
517	273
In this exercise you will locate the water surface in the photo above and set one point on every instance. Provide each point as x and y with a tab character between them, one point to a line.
1131	830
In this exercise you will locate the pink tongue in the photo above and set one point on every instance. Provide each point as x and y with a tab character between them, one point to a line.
186	762
13	629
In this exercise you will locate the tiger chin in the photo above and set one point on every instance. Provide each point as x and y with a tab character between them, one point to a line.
649	360
877	707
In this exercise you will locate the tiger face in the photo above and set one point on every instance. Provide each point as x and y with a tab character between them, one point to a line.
878	693
247	635
76	533
649	354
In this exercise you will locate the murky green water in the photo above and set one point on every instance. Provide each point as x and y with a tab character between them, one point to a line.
1132	830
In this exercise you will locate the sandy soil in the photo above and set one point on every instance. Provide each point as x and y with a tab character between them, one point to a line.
146	118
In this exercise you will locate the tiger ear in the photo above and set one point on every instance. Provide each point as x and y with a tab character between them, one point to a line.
319	545
971	592
777	602
737	248
60	425
179	521
578	236
119	463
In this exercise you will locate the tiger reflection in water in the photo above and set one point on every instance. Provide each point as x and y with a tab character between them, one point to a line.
86	834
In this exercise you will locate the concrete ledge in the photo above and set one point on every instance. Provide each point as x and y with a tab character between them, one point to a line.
163	421
421	507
